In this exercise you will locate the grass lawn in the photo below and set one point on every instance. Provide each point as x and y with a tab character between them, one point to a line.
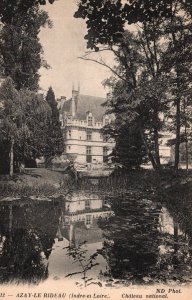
37	181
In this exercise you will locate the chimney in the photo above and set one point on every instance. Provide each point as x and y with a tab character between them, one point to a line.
74	102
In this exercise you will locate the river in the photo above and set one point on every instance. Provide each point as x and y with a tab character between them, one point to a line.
92	237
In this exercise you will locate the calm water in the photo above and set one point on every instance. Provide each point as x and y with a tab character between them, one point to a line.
92	238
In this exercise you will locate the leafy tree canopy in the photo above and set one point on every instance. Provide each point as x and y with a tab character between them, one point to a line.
54	136
8	9
24	120
106	19
20	47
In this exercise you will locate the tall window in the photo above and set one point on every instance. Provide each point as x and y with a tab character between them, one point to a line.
87	204
69	132
90	121
88	150
88	220
88	154
89	135
105	158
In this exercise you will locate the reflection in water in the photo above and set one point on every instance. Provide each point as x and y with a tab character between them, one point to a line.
143	244
134	239
79	221
27	231
79	226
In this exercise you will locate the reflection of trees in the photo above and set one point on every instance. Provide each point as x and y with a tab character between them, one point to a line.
28	231
78	254
141	245
23	258
143	240
131	238
176	258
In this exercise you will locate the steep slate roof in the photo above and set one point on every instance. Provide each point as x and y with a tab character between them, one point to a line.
66	106
86	103
92	104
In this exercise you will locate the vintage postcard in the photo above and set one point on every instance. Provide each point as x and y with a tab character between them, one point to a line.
95	150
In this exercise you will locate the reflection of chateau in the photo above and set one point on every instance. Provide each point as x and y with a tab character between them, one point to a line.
80	218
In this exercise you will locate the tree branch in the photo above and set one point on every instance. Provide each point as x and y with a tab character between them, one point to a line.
100	50
104	65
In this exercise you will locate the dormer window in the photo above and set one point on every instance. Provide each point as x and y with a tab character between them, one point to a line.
90	121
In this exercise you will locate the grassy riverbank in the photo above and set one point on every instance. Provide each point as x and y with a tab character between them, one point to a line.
144	180
36	182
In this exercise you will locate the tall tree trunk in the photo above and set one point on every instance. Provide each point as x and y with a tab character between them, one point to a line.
149	153
187	155
178	101
10	222
186	140
178	134
175	253
156	133
11	158
156	140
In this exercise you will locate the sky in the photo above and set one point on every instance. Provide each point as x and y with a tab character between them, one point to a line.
62	45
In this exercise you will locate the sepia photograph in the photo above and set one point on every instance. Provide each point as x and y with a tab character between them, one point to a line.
95	149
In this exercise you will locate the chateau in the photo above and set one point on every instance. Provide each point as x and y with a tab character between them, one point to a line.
82	118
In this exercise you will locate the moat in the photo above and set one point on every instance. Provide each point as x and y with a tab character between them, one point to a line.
93	238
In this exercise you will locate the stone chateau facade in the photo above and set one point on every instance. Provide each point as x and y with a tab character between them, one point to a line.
82	118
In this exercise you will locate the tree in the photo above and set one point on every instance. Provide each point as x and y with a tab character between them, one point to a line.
160	21
9	117
8	9
106	19
138	57
178	63
54	136
139	93
129	150
20	48
24	122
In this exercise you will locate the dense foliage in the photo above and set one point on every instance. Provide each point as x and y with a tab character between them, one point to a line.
54	137
152	61
20	48
25	115
8	9
24	121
